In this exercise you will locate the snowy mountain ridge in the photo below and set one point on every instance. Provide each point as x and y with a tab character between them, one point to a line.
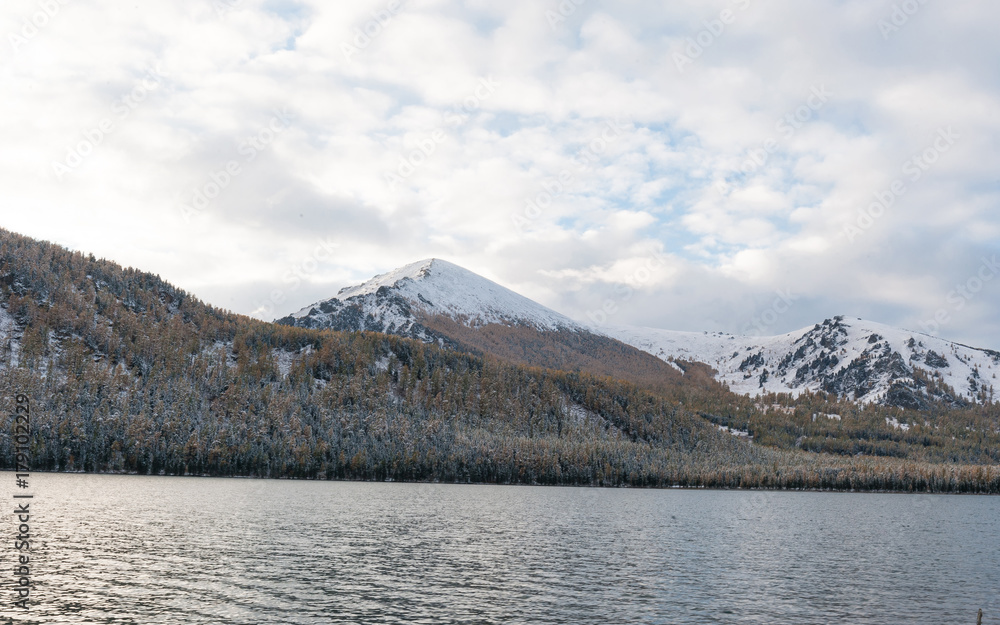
397	302
858	359
861	360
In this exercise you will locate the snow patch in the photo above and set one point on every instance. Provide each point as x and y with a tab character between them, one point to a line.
896	424
832	417
284	360
738	433
9	331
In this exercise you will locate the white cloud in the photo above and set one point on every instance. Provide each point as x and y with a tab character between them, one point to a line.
584	148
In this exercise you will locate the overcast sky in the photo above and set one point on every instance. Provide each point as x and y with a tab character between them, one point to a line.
740	165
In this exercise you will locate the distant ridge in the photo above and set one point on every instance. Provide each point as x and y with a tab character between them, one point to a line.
857	359
437	301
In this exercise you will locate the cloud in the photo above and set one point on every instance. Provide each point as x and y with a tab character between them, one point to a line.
553	150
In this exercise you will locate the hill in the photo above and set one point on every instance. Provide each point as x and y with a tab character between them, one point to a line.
437	301
128	373
888	392
397	301
868	362
852	358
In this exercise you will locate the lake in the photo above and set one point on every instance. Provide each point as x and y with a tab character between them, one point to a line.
131	549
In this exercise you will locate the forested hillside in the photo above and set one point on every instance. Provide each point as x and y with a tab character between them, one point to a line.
128	373
578	351
438	302
131	374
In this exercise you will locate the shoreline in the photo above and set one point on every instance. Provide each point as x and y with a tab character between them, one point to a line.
515	484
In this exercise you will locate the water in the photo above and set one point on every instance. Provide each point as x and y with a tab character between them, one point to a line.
126	549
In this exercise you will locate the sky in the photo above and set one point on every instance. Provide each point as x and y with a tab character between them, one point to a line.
746	166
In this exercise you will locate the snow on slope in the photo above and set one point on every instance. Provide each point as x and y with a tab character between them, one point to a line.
856	359
869	361
388	302
9	332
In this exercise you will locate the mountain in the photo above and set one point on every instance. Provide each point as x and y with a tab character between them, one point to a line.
128	373
860	360
437	301
842	389
402	301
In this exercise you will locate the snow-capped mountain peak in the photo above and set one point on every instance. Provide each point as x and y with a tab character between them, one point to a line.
414	271
398	300
862	360
858	359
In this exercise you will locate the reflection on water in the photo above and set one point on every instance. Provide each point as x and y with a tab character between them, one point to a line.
126	549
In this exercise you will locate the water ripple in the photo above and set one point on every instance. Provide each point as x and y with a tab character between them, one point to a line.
150	550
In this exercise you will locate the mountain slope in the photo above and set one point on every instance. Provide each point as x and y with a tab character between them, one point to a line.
436	301
861	360
399	301
127	373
